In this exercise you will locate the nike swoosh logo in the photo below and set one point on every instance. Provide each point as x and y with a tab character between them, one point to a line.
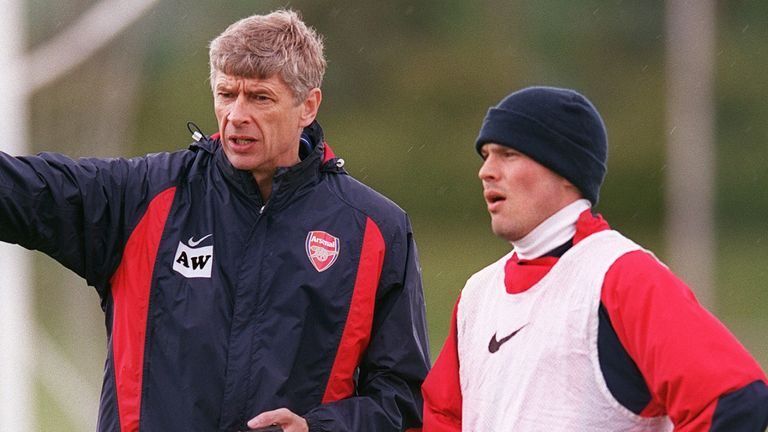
494	344
193	243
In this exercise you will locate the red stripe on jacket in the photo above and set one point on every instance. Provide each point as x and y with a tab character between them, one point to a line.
357	331
130	293
328	153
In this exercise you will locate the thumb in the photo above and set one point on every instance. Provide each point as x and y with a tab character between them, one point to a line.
262	420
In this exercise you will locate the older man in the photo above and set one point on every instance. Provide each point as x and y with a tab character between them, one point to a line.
247	281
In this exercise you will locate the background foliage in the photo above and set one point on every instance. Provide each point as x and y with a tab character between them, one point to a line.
407	86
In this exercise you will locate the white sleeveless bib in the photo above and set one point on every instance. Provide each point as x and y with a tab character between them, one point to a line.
545	377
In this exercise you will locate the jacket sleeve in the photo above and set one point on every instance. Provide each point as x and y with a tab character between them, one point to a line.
77	212
392	368
696	371
442	388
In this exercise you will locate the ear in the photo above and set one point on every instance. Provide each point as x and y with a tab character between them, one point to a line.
571	191
310	106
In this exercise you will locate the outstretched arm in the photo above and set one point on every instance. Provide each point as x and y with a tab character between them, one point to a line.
76	211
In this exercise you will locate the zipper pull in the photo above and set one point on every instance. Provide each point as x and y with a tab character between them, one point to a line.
197	134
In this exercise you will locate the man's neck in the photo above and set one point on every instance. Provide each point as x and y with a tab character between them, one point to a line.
265	178
265	187
552	232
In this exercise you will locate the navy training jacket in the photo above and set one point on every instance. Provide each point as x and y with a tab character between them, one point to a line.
220	306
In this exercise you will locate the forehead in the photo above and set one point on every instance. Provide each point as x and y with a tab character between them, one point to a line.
274	82
494	148
500	149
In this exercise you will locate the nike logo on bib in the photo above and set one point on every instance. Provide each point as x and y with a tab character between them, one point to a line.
494	344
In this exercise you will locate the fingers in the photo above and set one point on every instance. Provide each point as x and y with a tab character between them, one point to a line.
282	417
267	429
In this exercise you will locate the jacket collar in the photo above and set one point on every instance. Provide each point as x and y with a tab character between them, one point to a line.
316	156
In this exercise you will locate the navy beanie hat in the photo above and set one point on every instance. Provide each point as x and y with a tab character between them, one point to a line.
558	128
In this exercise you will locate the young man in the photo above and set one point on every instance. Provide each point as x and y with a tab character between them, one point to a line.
247	281
578	328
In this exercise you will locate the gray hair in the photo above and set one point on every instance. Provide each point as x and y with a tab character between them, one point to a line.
261	46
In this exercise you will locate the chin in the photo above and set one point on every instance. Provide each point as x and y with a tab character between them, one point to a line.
239	162
505	233
498	232
241	165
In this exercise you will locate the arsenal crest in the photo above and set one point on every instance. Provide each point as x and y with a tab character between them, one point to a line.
322	249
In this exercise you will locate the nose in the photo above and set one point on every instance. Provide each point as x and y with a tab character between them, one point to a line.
488	169
238	113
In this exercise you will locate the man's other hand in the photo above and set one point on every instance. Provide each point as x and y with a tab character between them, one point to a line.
282	417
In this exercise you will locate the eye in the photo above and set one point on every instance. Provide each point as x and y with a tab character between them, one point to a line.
224	94
259	97
509	153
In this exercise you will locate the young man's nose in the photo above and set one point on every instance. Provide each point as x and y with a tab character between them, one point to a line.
488	170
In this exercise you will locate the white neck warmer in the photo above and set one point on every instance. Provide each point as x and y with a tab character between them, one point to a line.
553	232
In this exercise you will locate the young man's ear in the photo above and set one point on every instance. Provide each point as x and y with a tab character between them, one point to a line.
310	106
573	191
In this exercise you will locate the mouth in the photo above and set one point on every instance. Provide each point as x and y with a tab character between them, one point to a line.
494	200
241	142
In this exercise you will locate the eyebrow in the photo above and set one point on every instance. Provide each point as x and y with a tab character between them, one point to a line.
248	89
223	84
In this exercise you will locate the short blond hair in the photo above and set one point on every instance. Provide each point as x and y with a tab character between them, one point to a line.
261	46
